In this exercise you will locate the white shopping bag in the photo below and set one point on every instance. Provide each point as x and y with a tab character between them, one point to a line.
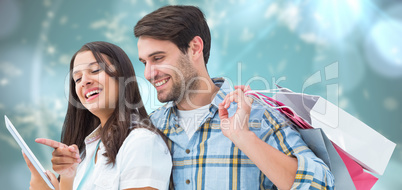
363	144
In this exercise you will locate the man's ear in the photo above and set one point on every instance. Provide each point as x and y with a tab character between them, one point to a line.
196	48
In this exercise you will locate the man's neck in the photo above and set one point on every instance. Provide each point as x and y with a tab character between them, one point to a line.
199	97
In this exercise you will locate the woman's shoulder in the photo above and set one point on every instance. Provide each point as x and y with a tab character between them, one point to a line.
145	138
139	133
144	160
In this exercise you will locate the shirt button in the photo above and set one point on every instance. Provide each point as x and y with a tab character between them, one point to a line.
188	181
187	151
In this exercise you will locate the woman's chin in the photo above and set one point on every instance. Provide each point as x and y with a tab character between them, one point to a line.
91	106
99	110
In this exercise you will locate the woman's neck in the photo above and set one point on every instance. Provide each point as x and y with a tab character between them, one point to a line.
103	118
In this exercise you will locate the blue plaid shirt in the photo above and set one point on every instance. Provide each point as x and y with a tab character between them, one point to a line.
209	160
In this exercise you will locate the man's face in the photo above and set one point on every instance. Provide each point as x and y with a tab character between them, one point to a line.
169	70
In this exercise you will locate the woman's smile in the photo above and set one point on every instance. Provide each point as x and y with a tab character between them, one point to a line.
92	93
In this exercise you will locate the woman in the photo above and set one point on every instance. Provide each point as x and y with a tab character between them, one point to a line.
113	144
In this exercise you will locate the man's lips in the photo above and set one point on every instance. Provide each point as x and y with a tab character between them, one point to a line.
161	82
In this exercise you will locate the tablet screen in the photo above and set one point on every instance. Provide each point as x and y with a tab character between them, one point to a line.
27	151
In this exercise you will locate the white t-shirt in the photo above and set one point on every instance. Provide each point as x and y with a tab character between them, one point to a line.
190	120
143	160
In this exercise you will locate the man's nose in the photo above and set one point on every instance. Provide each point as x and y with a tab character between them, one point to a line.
150	72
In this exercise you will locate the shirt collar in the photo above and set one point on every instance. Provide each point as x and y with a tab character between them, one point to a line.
95	135
224	89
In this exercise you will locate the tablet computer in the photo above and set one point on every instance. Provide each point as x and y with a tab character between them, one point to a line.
27	151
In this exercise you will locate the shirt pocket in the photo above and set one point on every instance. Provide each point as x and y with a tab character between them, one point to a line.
107	180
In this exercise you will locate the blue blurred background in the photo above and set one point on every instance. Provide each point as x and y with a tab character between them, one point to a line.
258	42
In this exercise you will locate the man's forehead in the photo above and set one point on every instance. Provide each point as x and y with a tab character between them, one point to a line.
148	47
145	42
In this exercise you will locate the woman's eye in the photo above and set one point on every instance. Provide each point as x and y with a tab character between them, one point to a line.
96	71
77	80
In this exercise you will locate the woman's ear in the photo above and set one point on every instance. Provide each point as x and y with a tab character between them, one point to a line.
196	48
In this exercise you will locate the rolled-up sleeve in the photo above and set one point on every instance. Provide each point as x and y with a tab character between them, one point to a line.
312	172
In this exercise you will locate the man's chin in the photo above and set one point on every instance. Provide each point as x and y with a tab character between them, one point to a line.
163	98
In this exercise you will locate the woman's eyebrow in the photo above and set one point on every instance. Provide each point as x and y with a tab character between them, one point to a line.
89	64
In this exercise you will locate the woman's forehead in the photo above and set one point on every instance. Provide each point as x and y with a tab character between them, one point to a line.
85	57
82	66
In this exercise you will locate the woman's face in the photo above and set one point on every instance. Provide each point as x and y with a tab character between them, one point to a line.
96	90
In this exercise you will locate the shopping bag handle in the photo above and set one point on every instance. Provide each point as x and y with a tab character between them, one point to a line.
286	110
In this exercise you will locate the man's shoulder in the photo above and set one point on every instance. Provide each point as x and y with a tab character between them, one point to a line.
160	111
265	112
158	116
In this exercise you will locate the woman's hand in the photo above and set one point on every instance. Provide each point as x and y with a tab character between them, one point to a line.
37	183
65	158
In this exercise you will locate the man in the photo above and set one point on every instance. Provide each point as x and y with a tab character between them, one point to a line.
216	144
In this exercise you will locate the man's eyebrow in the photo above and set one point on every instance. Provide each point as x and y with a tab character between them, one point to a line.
89	64
152	54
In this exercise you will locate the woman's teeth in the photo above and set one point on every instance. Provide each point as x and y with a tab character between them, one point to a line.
92	93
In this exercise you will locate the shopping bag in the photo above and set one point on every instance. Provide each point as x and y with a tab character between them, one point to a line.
357	140
361	179
322	147
342	166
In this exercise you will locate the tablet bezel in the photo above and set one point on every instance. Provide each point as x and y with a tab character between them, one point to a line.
27	151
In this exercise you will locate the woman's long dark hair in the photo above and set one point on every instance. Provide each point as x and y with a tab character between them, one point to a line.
79	122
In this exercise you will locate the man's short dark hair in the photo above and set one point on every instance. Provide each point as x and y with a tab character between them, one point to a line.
178	24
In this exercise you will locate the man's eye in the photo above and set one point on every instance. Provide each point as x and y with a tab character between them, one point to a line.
158	58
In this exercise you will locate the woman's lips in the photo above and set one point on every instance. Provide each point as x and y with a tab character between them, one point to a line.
92	97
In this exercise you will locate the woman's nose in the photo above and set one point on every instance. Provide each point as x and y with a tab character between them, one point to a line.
86	80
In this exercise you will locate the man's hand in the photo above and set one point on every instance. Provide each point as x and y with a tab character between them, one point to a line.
65	158
237	125
37	183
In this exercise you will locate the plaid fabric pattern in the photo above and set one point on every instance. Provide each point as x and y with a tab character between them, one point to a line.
209	160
